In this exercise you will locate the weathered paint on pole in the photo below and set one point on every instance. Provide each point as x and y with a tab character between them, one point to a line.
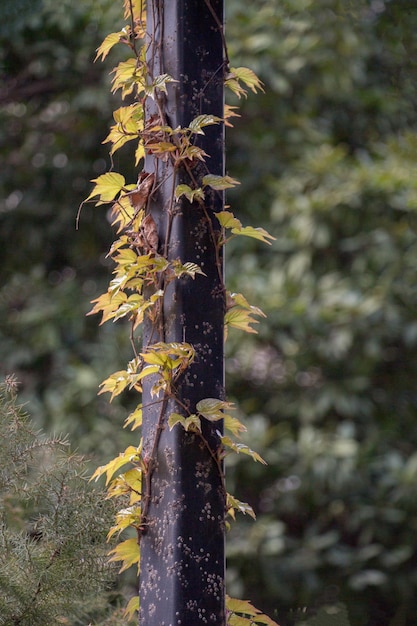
182	548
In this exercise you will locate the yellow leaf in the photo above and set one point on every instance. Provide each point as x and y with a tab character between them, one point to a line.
127	76
139	153
134	420
111	40
128	552
131	608
130	455
233	425
125	518
240	608
107	187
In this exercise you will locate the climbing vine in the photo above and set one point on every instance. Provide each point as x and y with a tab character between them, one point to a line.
144	267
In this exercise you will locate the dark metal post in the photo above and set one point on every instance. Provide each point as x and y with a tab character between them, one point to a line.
182	548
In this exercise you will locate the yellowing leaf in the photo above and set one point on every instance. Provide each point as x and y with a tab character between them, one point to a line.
237	299
115	383
131	454
199	122
128	125
233	504
131	608
139	153
233	425
128	552
239	610
111	40
228	220
248	77
241	319
188	269
128	75
125	518
244	75
255	233
212	408
229	111
107	303
134	420
190	194
192	422
107	187
241	448
219	182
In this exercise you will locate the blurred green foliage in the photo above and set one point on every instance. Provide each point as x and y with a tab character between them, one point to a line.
53	527
326	158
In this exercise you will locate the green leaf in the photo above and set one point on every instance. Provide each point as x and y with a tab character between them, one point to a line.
255	233
201	121
219	182
241	448
228	220
212	408
188	269
233	504
190	194
241	319
160	84
248	77
192	422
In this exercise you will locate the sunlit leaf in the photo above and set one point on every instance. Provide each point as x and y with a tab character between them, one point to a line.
130	455
131	608
125	518
244	610
107	187
134	420
128	552
111	40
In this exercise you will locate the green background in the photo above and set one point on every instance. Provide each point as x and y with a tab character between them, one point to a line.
327	163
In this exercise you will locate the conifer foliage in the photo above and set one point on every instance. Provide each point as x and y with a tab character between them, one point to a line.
53	568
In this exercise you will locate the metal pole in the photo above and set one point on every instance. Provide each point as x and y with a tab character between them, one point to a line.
182	548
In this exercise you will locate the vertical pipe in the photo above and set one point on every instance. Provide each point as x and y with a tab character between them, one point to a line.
182	548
